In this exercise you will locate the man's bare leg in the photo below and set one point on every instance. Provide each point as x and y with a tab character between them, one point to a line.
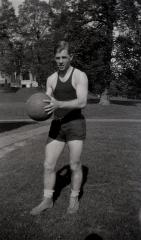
75	148
52	153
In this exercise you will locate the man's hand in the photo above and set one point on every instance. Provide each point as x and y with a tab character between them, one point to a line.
51	106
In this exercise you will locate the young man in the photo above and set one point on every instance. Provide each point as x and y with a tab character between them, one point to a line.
68	90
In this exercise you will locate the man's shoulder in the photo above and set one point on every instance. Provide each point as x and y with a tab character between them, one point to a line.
79	74
53	76
78	71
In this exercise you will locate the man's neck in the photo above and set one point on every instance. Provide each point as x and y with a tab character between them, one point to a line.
62	74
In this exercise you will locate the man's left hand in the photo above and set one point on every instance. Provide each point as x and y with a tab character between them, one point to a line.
52	105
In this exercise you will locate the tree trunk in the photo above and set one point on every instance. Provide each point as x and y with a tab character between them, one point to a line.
104	98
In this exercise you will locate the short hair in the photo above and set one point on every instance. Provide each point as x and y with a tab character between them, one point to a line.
61	45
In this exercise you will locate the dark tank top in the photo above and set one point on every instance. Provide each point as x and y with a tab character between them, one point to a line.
64	91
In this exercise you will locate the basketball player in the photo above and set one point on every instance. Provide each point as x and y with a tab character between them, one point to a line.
68	88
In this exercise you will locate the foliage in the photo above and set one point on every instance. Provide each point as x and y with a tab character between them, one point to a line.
104	35
89	27
7	31
35	26
127	47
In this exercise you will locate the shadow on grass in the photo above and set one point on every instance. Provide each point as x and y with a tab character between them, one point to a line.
126	102
63	179
93	100
8	126
93	236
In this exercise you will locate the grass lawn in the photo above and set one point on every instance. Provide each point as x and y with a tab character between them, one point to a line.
12	106
111	197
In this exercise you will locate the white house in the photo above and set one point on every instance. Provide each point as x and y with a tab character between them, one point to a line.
4	79
26	79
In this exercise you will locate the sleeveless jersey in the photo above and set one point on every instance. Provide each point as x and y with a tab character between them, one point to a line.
64	91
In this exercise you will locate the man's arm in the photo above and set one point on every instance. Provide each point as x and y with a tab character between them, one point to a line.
81	87
49	87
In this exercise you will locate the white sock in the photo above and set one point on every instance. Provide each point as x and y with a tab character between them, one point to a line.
74	193
48	193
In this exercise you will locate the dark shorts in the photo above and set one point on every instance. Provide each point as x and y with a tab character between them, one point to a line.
69	130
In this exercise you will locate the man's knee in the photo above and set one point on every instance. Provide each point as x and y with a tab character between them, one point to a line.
76	166
49	168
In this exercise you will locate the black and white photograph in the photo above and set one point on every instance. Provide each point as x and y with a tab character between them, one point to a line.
70	120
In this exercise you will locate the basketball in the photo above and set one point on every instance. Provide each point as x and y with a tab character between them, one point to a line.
35	107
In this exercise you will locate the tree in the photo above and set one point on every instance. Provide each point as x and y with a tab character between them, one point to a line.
7	32
127	45
92	26
89	26
35	25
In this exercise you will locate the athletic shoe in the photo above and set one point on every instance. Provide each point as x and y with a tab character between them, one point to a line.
47	203
73	205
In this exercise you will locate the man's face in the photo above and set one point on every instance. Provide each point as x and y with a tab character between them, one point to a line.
63	60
